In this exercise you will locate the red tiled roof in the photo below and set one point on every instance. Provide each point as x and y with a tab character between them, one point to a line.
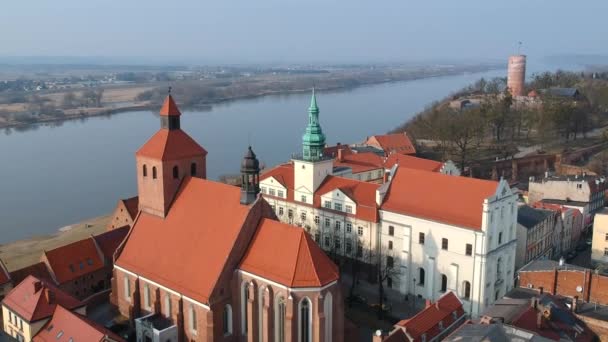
67	326
362	193
287	255
109	241
74	260
556	329
435	196
332	151
169	107
5	277
38	270
171	145
412	162
427	320
35	305
132	205
194	240
398	142
360	162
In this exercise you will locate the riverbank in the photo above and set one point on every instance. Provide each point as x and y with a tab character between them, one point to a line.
22	253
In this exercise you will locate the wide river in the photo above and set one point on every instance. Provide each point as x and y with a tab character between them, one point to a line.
53	175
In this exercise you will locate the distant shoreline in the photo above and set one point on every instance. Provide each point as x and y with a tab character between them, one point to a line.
208	104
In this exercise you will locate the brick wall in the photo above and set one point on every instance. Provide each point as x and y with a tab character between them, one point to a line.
594	287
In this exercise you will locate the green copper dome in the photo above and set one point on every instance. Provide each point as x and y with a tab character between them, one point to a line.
313	140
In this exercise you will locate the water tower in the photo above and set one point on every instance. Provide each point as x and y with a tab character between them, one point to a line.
516	75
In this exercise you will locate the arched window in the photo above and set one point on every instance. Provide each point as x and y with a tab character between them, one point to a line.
144	170
192	318
444	283
168	305
260	313
305	326
244	300
193	169
153	172
421	276
147	296
227	320
175	172
467	289
328	310
279	320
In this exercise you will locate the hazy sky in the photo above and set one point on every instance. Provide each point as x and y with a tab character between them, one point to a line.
243	31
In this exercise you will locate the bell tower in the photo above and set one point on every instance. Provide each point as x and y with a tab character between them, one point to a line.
165	159
250	177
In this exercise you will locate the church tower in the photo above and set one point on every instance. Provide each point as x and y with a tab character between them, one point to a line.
165	159
312	167
250	177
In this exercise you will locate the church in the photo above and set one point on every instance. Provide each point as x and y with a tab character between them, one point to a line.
206	261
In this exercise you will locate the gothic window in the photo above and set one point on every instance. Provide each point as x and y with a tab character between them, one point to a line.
444	283
145	170
305	325
227	321
168	305
192	317
153	172
175	172
127	288
467	290
328	310
193	169
147	296
421	276
244	300
279	320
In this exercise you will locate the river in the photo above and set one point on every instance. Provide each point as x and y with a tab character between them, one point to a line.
53	175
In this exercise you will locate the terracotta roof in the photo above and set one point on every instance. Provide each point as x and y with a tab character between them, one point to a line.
398	142
34	299
412	162
288	255
435	196
67	326
362	193
427	320
38	270
74	260
169	107
171	145
332	151
5	277
360	162
109	241
199	231
132	205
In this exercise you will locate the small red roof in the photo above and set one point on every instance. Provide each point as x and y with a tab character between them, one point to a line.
196	238
360	162
109	241
35	299
412	162
74	260
427	320
169	107
435	196
397	142
5	277
283	174
287	255
171	145
67	326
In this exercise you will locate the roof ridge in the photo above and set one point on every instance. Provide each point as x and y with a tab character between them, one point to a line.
295	269
312	260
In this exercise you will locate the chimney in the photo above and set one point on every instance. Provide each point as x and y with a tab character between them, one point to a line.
340	154
427	303
377	336
37	286
50	296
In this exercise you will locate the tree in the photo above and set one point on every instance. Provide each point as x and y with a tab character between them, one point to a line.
386	270
466	132
69	100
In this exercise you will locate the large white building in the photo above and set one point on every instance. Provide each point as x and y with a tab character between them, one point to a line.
435	232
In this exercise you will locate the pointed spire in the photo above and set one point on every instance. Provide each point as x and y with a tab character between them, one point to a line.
313	109
169	107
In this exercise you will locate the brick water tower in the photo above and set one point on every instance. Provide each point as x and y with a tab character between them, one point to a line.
516	75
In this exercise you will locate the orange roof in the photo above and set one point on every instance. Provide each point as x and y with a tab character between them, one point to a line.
287	255
38	270
74	260
427	320
35	299
66	326
171	145
397	142
109	241
360	162
5	277
362	193
195	239
132	205
332	151
412	162
435	196
169	107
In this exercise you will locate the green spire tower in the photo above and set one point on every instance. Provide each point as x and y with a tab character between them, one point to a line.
313	140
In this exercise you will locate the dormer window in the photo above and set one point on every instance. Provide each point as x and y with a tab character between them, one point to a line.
338	206
327	204
349	209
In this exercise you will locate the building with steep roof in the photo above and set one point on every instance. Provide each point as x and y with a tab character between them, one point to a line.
389	143
68	326
5	281
536	230
125	212
213	263
411	162
30	305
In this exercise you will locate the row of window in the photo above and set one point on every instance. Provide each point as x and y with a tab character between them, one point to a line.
15	320
273	192
338	206
466	286
445	243
327	221
144	171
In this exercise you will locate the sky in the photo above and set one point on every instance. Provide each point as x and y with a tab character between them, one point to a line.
302	31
